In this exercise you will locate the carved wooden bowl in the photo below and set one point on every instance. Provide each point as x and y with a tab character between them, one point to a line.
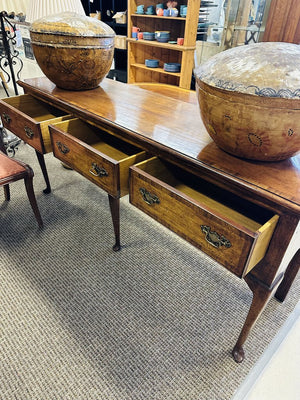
75	52
249	100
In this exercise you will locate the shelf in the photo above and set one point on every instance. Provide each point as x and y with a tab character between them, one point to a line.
154	43
158	70
141	50
158	16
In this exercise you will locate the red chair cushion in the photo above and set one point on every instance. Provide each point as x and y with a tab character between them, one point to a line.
9	167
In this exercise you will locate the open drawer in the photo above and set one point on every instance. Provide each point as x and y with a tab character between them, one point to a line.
231	230
99	156
28	118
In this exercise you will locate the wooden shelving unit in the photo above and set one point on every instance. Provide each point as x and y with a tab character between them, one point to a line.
140	50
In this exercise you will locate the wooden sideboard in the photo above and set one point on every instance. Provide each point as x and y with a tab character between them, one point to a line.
164	131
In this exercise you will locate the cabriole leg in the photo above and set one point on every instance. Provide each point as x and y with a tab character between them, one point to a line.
42	163
115	214
261	295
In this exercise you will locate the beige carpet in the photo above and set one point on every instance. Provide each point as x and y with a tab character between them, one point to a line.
155	321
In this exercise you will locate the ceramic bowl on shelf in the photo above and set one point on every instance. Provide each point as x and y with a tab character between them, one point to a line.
140	9
183	10
150	10
249	98
162	36
75	52
171	12
172	67
152	63
148	35
163	39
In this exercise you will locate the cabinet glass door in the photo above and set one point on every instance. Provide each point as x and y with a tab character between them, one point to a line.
229	23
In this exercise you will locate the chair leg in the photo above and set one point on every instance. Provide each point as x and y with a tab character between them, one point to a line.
6	192
32	199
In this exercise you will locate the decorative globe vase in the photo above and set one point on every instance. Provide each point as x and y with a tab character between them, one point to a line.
75	52
249	100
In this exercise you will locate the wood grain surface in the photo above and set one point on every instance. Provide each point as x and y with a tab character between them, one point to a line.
174	129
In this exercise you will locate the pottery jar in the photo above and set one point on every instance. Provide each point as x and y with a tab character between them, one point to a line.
73	51
249	98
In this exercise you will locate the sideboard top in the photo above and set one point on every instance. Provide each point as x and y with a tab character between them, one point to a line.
173	127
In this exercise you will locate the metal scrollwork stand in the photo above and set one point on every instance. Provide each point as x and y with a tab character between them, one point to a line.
9	58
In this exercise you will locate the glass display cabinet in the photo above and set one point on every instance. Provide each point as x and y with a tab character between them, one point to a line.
229	23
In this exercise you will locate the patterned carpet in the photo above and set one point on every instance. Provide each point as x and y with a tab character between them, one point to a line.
155	321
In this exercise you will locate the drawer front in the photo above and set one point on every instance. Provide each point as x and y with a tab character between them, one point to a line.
15	115
228	243
100	170
22	126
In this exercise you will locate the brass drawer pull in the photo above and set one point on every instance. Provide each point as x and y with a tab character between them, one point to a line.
98	171
29	132
62	147
214	238
6	118
148	197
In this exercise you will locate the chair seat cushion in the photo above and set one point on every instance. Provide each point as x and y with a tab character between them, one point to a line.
9	168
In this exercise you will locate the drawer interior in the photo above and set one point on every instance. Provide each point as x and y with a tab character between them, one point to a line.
34	108
98	139
225	203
